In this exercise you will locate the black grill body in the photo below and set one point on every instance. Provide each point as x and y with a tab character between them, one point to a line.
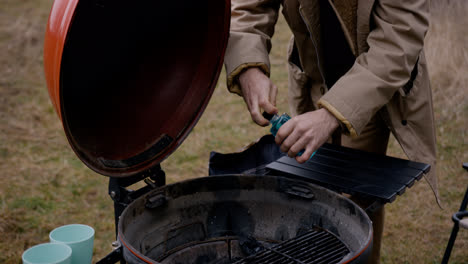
224	219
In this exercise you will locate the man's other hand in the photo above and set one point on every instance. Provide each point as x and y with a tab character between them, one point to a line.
259	93
307	131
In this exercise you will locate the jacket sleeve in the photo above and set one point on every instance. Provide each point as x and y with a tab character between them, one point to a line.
252	26
398	28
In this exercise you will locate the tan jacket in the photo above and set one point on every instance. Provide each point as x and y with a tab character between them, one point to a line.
385	36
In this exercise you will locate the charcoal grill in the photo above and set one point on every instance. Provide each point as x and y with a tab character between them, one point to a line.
130	80
243	219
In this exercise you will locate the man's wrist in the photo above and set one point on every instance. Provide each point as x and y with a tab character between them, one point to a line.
332	121
248	73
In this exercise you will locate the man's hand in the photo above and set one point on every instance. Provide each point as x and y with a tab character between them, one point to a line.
307	131
259	93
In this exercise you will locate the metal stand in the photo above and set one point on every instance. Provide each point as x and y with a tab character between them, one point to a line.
122	197
456	223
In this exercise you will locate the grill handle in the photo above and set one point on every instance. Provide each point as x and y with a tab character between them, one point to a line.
156	201
301	191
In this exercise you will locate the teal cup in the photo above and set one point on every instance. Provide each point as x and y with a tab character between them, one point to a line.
48	253
80	238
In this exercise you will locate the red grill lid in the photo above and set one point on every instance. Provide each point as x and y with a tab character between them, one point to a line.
130	79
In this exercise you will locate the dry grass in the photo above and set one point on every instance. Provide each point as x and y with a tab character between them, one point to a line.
417	230
43	185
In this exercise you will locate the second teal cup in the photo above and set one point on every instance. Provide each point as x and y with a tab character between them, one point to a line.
79	237
51	253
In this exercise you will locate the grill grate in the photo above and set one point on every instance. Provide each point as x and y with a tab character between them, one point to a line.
313	247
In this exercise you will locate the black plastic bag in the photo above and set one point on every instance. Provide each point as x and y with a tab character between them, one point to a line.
251	160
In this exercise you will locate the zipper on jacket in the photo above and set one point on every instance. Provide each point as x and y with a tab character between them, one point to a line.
315	47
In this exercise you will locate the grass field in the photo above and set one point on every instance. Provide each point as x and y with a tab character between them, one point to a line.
43	185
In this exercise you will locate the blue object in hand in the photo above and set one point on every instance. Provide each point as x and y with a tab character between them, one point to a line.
276	122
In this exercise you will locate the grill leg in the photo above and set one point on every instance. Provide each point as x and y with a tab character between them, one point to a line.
448	250
456	225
